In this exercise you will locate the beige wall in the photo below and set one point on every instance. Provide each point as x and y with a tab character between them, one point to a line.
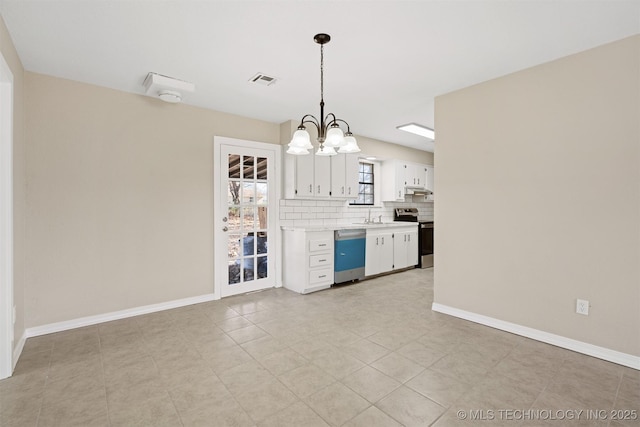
19	179
120	197
539	197
120	201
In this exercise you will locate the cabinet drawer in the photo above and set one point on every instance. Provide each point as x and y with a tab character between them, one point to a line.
319	276
320	260
320	245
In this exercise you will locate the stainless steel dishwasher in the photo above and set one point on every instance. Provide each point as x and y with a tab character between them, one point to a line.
349	254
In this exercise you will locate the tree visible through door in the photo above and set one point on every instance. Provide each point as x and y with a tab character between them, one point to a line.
248	237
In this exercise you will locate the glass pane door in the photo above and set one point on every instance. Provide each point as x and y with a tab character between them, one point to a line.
248	226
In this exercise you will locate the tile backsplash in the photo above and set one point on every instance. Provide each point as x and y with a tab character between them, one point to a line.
300	213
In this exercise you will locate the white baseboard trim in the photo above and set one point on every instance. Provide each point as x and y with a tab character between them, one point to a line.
115	315
17	351
546	337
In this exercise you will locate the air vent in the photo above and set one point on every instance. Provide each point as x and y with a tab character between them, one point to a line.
263	79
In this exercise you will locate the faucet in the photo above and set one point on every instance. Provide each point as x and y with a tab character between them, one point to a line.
379	219
369	218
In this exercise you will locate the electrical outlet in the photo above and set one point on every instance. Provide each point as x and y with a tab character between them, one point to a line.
582	307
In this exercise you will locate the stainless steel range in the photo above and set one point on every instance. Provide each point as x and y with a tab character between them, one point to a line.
425	242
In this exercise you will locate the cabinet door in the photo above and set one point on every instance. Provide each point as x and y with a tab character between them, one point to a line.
412	248
421	175
321	176
430	178
372	254
338	176
386	252
352	166
400	250
304	175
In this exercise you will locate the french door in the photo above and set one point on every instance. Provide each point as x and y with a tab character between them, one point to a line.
245	230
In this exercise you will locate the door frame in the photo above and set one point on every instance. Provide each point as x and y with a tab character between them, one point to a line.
221	275
6	220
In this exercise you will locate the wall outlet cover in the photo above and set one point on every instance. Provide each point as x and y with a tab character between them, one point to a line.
582	307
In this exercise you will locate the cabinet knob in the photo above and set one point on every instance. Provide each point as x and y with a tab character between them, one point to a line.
225	228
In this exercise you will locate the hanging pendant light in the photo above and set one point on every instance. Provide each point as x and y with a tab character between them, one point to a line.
330	135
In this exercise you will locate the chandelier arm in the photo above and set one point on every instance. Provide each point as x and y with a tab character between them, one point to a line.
308	118
336	120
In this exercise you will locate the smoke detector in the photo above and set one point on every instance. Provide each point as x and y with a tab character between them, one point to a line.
166	88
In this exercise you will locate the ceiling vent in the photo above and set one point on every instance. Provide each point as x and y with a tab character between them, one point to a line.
166	88
263	79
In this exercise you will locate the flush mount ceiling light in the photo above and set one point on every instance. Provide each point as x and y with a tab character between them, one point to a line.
418	130
170	96
166	88
330	135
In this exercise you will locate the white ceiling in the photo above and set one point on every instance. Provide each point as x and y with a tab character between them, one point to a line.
386	62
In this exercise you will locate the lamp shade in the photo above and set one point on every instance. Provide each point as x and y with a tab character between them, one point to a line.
297	151
323	150
301	139
335	138
351	145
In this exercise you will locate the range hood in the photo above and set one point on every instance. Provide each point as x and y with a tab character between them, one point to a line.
417	191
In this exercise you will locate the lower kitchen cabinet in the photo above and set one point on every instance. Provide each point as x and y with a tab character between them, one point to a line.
379	252
308	260
391	249
405	249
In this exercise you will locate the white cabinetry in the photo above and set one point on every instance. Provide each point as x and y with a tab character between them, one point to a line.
321	176
310	176
415	175
390	249
379	251
430	179
399	175
344	176
393	181
405	248
308	260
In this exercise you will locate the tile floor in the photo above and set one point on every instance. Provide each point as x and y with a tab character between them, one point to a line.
369	354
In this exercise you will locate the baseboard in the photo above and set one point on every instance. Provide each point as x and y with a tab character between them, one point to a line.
17	350
546	337
115	315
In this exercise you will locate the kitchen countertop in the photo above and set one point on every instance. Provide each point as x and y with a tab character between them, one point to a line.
333	227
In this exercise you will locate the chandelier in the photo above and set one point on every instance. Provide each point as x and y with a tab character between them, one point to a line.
330	135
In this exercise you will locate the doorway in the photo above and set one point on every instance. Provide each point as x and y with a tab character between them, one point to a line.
6	220
246	238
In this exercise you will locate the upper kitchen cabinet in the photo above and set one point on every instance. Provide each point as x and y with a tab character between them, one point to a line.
430	179
401	178
324	177
344	176
415	175
393	181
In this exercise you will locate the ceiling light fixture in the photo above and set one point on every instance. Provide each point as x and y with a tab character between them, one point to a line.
330	135
170	96
419	130
166	88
